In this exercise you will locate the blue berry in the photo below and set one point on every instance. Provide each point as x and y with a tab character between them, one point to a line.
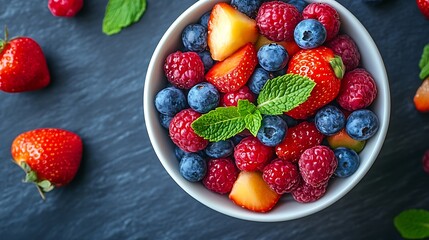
165	120
179	153
248	7
309	33
299	4
273	57
273	130
258	80
278	73
193	167
203	97
194	37
237	139
329	120
207	59
290	121
204	20
170	101
220	149
348	162
362	124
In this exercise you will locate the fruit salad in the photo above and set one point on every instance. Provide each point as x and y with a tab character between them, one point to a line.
267	99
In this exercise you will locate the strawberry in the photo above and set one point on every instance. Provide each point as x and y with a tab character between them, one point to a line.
424	7
22	65
251	192
65	8
421	99
233	73
325	69
229	30
49	156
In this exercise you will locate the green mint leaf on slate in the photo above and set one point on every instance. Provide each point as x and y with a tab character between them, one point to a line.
219	124
424	73
413	224
425	57
122	13
253	122
284	93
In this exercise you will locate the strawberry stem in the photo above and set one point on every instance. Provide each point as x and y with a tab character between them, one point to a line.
338	66
6	38
31	177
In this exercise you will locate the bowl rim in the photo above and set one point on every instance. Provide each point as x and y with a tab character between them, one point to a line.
248	215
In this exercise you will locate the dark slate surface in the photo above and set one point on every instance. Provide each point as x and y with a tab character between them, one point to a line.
122	191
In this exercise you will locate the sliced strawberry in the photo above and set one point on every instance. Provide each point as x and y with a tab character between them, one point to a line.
251	192
421	99
229	30
233	73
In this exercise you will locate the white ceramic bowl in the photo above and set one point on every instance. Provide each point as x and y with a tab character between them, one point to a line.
287	208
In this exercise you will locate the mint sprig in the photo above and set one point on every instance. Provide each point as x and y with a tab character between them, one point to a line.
424	63
413	224
122	13
278	95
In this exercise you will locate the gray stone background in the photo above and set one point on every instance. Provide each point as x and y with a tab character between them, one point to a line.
122	191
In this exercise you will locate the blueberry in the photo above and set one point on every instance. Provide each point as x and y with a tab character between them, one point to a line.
248	7
290	121
207	59
220	149
194	37
329	120
348	162
272	57
273	130
362	124
309	33
278	73
204	20
299	4
258	80
179	153
203	97
170	101
193	167
165	120
237	139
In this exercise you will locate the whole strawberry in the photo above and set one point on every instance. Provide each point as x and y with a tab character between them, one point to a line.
323	67
317	165
424	7
421	99
65	8
22	65
49	156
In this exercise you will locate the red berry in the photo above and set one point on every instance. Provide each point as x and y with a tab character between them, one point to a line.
426	161
424	7
231	99
184	70
358	90
317	164
250	154
306	193
183	135
298	139
277	20
421	99
65	8
281	176
326	15
221	175
346	48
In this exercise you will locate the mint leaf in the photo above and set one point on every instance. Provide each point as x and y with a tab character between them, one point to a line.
413	224
253	122
284	93
425	57
245	107
122	13
424	73
219	124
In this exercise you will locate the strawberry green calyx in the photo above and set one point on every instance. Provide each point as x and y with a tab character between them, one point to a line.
42	186
338	66
6	38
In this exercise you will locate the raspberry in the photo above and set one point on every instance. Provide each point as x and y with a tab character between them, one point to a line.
326	15
426	161
231	99
358	90
65	8
277	20
250	154
221	175
281	176
306	193
317	164
183	135
184	70
346	48
297	140
424	7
